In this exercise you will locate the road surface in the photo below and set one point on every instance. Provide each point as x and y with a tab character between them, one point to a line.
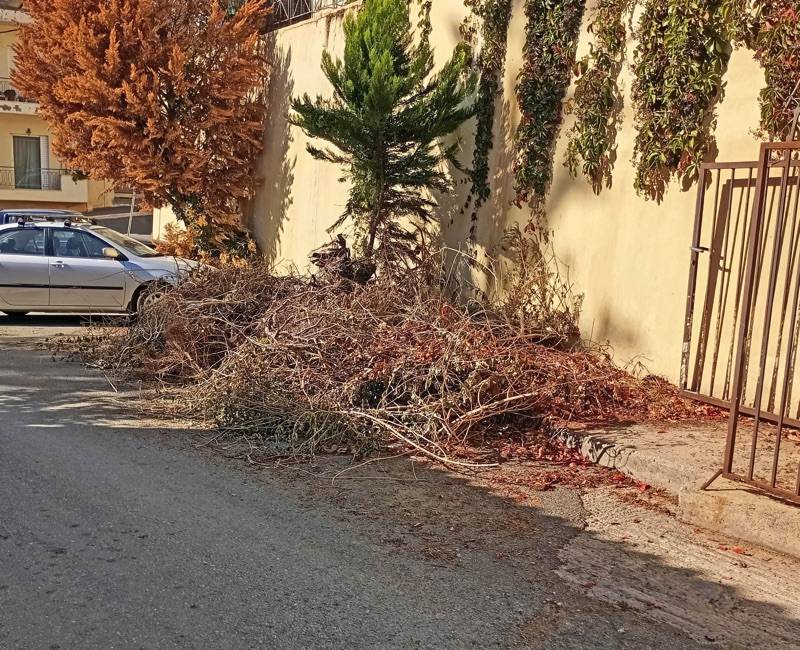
117	533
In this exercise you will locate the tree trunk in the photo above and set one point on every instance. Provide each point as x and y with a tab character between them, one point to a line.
373	224
376	215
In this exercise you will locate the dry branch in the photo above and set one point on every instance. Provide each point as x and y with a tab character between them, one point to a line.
301	366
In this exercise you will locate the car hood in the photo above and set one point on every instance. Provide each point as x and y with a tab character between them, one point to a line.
166	266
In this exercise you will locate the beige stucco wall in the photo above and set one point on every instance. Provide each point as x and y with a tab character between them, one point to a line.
300	197
162	217
628	256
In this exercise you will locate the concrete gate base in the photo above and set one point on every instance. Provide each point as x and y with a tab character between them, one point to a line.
680	459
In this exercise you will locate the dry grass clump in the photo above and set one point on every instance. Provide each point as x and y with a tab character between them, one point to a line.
304	365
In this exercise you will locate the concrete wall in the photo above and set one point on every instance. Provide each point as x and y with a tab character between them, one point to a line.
627	255
162	217
300	197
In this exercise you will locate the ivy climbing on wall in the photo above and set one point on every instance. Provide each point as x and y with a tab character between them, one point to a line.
493	17
598	101
771	28
679	62
552	30
683	48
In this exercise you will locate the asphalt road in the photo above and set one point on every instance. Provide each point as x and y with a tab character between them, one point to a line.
113	536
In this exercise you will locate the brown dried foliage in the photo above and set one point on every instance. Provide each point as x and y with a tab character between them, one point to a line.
161	95
299	365
189	242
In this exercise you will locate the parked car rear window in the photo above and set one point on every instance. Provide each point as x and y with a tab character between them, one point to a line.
28	241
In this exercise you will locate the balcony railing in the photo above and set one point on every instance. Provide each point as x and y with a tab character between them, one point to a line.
35	179
10	94
286	12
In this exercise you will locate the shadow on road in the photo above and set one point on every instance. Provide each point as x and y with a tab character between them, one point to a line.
442	542
61	320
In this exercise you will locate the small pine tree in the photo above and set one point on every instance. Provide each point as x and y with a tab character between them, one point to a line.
385	119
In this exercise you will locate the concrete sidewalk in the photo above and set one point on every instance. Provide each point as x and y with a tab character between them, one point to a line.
680	459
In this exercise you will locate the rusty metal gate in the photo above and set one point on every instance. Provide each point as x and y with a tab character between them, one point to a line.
743	314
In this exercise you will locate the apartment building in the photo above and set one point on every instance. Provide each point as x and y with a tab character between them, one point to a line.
31	175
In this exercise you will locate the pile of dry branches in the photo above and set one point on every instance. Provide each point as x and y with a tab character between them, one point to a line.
305	365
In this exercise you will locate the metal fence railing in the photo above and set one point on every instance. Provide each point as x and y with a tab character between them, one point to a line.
286	12
35	179
9	93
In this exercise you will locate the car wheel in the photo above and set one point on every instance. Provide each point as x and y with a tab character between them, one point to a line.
147	296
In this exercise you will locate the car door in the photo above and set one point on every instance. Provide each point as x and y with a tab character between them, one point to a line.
81	277
24	271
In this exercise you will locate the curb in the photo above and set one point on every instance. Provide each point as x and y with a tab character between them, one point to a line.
727	508
658	470
739	512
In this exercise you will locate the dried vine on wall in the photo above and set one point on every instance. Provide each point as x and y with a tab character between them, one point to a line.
494	16
597	103
552	31
771	28
680	59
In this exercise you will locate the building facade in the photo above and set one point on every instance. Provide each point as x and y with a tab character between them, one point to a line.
31	175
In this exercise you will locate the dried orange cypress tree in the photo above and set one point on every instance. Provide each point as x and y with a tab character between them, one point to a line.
162	95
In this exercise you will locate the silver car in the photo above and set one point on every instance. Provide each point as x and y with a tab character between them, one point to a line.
64	266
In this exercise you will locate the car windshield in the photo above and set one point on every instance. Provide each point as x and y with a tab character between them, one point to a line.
128	243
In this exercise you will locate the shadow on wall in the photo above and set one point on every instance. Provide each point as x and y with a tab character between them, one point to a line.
268	211
456	209
606	327
495	220
451	216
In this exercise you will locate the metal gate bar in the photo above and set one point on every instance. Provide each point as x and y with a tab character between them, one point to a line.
741	333
779	156
711	176
749	411
773	279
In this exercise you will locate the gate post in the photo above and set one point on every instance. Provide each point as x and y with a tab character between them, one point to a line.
762	180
